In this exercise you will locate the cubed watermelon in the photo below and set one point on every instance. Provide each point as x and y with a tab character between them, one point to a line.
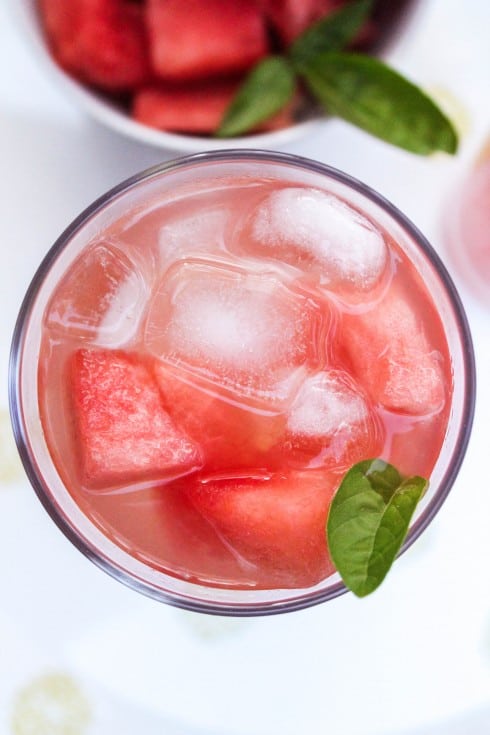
392	356
102	42
124	433
290	18
231	437
197	39
277	524
194	108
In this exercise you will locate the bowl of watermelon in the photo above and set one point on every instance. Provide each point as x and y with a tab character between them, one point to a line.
167	73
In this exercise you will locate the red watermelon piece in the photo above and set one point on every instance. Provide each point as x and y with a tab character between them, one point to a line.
197	39
392	356
187	109
102	42
194	108
290	18
277	525
230	437
124	433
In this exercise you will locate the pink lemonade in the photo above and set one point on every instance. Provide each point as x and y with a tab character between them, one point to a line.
216	359
467	225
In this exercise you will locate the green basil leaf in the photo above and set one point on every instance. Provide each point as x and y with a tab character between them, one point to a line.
266	90
367	93
332	33
368	522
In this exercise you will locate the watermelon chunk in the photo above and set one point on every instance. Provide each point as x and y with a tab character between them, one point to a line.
290	18
124	433
277	525
102	42
391	354
189	109
197	39
230	437
194	108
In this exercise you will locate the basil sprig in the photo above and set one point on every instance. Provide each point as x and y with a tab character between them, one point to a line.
367	93
368	521
332	33
358	88
251	106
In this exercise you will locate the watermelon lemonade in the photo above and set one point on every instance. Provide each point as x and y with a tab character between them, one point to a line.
209	349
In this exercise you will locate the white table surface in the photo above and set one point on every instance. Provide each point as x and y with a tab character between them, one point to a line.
82	655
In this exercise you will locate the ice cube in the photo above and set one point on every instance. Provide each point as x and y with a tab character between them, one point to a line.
395	353
192	234
101	299
326	403
316	231
246	333
330	422
195	225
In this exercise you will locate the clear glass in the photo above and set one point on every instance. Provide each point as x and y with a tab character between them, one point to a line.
467	228
26	346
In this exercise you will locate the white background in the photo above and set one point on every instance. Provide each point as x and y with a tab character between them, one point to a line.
413	658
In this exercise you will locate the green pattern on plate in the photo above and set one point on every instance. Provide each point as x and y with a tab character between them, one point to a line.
52	704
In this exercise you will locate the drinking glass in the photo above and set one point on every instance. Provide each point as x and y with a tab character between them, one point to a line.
132	194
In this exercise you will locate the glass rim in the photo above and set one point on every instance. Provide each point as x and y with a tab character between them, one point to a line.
296	599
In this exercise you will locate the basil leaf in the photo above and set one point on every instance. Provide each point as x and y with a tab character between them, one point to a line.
332	33
367	93
368	521
266	90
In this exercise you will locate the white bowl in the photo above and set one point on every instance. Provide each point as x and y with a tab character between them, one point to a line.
100	107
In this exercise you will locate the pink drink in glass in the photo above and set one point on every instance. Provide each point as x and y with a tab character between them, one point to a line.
468	229
215	353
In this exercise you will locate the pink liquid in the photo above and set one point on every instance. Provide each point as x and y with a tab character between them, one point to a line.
468	230
280	364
